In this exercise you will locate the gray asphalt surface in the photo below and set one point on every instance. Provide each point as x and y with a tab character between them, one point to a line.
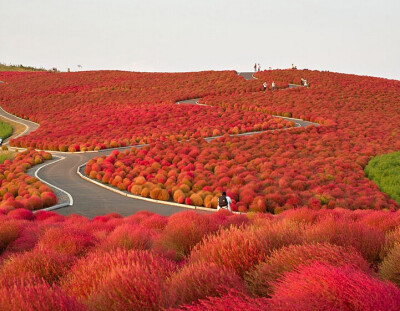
89	199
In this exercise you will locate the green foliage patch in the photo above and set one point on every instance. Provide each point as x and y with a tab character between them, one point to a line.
384	170
4	67
5	130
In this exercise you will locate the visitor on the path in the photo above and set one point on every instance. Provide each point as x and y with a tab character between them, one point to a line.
302	81
305	83
224	202
265	86
273	85
255	67
259	67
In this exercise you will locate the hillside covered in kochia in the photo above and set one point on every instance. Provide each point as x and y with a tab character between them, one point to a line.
103	109
316	166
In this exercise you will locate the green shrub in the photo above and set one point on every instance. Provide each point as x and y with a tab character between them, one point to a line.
384	170
5	130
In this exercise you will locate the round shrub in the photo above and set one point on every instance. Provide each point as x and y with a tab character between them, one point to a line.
48	199
89	274
196	199
389	268
46	265
201	280
233	301
183	231
128	236
66	240
34	296
136	189
260	279
21	213
145	192
321	287
366	240
137	287
225	250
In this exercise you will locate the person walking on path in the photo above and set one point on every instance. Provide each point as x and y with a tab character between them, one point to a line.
255	67
224	202
265	86
259	67
273	85
305	83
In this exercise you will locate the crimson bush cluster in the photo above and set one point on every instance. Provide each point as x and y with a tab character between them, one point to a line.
318	166
19	190
96	110
299	260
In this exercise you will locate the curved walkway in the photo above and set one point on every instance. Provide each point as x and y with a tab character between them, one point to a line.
86	198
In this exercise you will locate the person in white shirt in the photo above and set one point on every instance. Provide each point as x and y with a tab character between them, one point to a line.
273	85
224	202
265	85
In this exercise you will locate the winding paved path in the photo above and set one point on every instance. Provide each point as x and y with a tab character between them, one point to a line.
88	199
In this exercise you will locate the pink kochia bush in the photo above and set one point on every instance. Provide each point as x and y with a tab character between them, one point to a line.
260	280
322	287
190	261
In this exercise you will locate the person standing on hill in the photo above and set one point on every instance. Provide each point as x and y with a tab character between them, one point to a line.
259	67
255	67
273	85
265	86
224	202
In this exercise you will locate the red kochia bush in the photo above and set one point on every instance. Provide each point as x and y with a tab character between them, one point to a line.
261	278
233	301
89	274
46	265
128	236
240	249
184	230
21	213
235	248
201	280
320	287
366	240
134	287
28	296
9	231
67	240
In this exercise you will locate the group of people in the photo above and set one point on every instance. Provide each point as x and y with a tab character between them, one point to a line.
265	85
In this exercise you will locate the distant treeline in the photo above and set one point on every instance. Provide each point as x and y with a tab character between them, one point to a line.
4	67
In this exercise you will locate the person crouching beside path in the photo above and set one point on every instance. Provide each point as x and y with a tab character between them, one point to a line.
224	202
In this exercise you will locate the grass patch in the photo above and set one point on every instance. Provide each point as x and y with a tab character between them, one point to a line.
384	170
6	130
4	67
5	154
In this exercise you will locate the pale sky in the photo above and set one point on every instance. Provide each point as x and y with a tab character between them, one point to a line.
353	36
